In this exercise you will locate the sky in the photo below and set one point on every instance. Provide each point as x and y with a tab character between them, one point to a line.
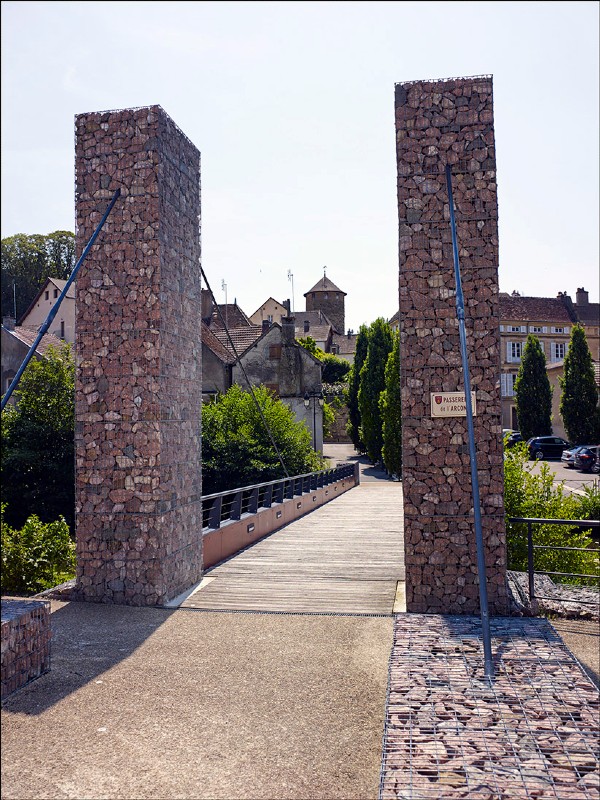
292	107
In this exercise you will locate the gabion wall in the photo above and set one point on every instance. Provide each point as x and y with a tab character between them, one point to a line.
439	123
138	382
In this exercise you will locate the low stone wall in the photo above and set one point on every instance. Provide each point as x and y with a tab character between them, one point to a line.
25	642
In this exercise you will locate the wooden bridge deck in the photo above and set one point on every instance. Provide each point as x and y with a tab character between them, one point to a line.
346	557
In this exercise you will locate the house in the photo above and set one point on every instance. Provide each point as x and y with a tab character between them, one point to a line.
63	325
275	360
551	320
343	345
230	315
316	325
271	311
15	343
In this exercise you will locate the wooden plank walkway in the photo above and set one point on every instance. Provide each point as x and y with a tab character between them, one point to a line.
347	557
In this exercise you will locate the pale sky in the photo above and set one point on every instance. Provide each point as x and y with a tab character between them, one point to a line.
292	107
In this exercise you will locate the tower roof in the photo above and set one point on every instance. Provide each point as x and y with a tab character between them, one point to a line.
325	285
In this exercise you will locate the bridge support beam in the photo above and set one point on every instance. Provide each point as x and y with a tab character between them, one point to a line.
138	381
439	123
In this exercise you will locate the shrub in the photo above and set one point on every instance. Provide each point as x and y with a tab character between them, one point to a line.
534	495
37	557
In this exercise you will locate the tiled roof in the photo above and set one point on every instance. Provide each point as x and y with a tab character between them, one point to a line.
588	314
536	309
232	314
29	335
216	346
324	285
320	333
242	337
316	317
346	344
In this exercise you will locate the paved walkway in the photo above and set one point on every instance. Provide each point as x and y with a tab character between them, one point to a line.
165	704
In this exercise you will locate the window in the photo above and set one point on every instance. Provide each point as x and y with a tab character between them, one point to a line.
563	329
507	384
335	349
516	328
46	295
62	329
514	350
56	293
537	329
270	317
557	350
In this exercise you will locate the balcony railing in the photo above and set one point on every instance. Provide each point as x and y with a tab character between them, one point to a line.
229	506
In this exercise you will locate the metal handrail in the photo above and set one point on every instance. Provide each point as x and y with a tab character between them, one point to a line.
233	504
529	521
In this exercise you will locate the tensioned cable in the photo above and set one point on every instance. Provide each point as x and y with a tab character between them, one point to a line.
241	366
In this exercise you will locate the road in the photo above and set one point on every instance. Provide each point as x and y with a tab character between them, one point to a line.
574	481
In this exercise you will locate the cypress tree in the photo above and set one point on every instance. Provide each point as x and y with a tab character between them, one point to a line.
533	393
353	426
372	383
579	398
391	412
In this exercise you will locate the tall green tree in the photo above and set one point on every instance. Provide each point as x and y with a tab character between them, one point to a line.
38	461
27	260
372	383
353	426
533	393
237	449
579	398
391	412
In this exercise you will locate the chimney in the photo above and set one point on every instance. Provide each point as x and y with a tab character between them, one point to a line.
306	326
288	331
288	307
9	323
206	306
266	325
582	297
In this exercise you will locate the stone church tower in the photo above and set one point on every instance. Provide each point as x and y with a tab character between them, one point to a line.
326	297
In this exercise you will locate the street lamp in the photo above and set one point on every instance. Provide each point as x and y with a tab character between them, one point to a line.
317	397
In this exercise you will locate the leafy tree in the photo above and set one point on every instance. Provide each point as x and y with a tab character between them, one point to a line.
236	448
391	412
334	369
372	383
27	260
37	557
533	393
579	398
353	427
536	495
38	442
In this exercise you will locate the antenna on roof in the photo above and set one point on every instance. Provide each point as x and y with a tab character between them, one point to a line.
324	272
291	278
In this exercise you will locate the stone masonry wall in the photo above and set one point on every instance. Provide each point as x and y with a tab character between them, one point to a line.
26	639
439	123
138	381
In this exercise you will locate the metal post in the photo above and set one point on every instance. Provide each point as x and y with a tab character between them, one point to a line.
460	313
530	561
55	307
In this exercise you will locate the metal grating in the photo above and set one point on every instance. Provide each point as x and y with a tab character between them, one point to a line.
533	733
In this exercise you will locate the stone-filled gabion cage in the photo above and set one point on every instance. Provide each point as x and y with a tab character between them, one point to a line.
138	347
439	123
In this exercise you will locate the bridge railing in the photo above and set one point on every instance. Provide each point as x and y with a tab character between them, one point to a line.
229	506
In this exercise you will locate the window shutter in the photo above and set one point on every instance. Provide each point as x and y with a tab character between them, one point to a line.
523	328
552	352
566	328
501	328
503	387
542	346
544	329
509	352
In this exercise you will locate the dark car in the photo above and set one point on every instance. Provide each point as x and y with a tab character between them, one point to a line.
596	464
512	438
568	456
586	458
541	447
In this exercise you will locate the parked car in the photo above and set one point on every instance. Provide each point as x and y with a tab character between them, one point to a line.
596	464
586	458
541	447
568	456
512	438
